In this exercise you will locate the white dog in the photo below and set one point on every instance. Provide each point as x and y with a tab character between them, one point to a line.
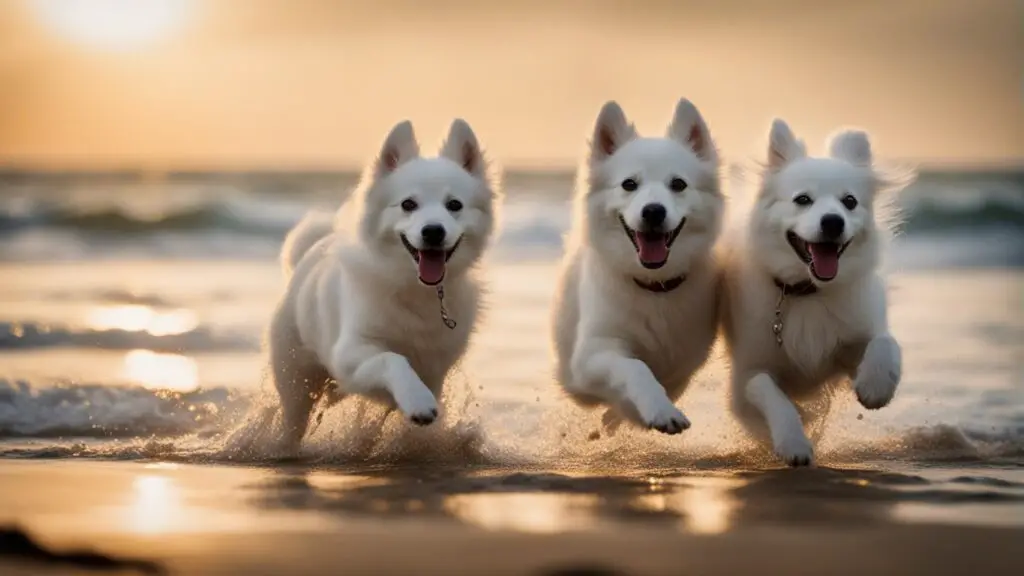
635	314
365	312
804	307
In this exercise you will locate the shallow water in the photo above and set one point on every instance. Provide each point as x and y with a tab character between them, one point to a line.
129	336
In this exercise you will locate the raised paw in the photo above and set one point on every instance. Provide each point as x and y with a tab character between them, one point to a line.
875	393
795	450
878	374
418	404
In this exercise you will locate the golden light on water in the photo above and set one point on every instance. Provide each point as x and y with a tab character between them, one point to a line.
138	318
535	513
156	505
705	505
161	371
708	506
113	24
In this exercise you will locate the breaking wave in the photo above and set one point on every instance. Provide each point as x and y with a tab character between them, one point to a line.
27	336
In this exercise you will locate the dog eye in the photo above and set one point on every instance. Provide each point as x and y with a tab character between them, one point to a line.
629	185
409	205
849	201
677	184
803	200
453	205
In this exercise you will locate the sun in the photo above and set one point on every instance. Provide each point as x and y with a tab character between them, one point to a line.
113	24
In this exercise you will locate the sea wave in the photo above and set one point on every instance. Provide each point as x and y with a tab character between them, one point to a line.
223	424
242	224
248	218
29	335
102	411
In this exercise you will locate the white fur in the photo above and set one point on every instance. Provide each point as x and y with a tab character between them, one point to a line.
354	318
839	333
617	344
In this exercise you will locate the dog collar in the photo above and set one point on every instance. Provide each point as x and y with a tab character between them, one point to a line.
660	286
802	288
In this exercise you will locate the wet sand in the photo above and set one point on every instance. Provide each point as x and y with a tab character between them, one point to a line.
196	519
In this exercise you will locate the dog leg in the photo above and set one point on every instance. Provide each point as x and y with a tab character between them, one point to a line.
629	383
787	431
879	372
365	369
299	382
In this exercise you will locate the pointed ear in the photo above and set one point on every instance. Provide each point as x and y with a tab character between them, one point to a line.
462	147
852	146
689	129
611	131
783	147
399	147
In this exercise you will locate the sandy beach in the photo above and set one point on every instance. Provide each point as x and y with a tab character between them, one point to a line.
194	519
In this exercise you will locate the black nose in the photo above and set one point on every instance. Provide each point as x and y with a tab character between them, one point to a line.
653	214
832	226
433	235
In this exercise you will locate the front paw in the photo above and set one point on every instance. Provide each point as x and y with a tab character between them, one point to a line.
418	404
664	417
878	374
795	449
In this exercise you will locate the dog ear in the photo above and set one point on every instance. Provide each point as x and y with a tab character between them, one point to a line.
689	129
852	146
783	147
611	131
399	147
462	147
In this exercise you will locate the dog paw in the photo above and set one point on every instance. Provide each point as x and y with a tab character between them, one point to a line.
795	450
876	392
419	405
425	418
879	374
667	419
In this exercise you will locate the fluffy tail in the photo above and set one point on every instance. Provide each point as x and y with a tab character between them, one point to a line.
302	237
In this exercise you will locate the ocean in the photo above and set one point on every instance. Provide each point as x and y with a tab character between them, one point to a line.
132	308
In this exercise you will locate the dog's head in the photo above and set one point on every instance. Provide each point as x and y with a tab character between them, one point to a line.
652	205
435	215
815	216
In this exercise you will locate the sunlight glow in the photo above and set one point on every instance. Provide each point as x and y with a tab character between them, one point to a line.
704	505
138	318
113	24
534	513
156	506
161	371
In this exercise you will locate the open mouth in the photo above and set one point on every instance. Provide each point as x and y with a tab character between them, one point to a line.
652	246
430	262
821	257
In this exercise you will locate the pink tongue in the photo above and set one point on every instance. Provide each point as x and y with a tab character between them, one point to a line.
431	266
653	249
825	260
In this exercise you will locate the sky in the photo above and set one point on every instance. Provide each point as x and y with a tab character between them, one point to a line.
316	84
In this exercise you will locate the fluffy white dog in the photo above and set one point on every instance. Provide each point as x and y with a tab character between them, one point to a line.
804	307
635	311
384	308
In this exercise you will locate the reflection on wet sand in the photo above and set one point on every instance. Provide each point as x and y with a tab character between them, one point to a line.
156	506
705	505
542	502
525	512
